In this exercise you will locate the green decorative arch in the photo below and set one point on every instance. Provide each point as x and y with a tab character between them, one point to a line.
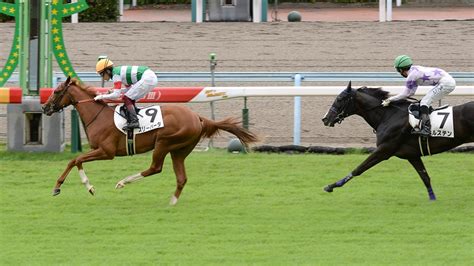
58	10
12	61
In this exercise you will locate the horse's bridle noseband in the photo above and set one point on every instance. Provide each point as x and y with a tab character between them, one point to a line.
59	96
342	114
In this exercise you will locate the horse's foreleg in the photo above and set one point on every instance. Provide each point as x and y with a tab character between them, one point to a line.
98	154
60	181
420	168
383	152
85	181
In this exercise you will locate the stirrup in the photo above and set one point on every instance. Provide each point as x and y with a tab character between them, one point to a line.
131	126
425	132
416	130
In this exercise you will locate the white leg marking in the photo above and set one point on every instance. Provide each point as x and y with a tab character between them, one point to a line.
85	179
128	179
173	200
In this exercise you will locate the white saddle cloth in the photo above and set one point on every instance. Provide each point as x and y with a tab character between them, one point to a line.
149	118
441	122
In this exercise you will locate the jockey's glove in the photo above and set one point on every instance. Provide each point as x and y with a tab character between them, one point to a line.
98	97
114	95
386	103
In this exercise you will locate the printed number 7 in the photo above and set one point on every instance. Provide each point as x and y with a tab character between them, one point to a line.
151	112
444	118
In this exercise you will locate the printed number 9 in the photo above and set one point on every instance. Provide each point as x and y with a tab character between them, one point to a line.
151	112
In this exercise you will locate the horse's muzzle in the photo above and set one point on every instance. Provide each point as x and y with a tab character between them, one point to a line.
327	122
47	110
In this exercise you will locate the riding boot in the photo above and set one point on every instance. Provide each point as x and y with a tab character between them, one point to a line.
425	127
132	118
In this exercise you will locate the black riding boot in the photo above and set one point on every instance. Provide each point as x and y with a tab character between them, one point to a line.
425	126
132	118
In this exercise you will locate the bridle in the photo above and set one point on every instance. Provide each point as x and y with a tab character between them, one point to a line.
343	107
60	95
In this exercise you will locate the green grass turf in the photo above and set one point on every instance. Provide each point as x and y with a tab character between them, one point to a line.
237	209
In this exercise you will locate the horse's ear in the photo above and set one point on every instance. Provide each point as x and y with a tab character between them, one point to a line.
68	81
349	86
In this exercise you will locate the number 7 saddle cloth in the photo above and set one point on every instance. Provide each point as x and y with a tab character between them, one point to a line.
441	120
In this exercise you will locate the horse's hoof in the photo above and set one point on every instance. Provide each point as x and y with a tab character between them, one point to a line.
328	189
173	200
92	190
56	191
120	185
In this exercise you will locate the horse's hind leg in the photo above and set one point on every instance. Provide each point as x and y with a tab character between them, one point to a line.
420	168
156	166
178	157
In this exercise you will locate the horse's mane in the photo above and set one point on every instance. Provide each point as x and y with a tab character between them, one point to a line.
83	87
379	94
375	92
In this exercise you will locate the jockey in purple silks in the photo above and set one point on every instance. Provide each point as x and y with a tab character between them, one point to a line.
422	76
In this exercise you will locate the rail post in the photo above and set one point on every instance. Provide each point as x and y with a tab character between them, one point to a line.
245	115
76	144
212	64
297	113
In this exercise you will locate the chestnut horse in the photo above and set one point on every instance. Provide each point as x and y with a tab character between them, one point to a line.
182	132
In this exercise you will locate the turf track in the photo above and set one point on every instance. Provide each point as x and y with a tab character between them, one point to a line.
237	209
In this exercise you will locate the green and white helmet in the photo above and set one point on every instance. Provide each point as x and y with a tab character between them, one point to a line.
402	61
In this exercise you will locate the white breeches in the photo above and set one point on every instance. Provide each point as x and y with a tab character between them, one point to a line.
147	83
445	86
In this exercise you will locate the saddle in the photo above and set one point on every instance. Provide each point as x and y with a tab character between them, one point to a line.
414	109
149	118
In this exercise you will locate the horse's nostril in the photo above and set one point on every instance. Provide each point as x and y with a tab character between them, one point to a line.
325	121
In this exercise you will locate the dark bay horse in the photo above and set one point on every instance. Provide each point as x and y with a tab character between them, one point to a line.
393	131
183	130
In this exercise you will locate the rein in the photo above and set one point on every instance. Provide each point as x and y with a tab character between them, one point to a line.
379	105
95	117
83	101
74	103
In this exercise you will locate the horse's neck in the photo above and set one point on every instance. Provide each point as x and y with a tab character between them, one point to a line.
90	110
367	108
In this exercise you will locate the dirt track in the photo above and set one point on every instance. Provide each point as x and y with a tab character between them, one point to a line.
273	47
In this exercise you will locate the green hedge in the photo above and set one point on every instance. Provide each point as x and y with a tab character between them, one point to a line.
107	10
100	11
3	17
165	2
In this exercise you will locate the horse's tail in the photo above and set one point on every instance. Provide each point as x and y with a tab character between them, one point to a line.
231	125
